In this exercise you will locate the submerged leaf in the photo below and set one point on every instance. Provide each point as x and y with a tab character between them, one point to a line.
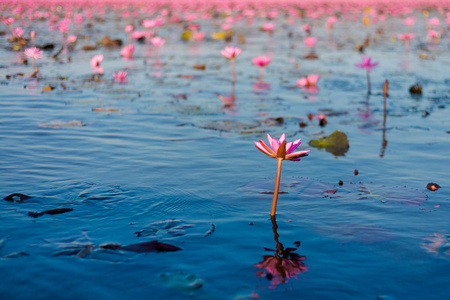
16	197
151	246
55	211
181	281
362	233
336	143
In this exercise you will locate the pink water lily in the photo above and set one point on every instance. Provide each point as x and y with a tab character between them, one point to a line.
120	76
157	41
309	41
406	36
34	53
308	81
275	144
231	53
127	51
280	150
367	64
261	62
96	60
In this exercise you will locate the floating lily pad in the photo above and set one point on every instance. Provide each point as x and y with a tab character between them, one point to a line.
391	195
305	188
362	233
336	143
181	281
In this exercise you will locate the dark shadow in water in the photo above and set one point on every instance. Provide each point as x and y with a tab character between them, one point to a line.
284	264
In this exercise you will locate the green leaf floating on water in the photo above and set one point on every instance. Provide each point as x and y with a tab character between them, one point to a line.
336	143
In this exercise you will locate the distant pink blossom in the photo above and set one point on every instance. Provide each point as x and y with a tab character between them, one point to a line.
434	22
137	35
129	28
33	52
226	26
193	27
309	41
8	21
332	19
127	51
367	64
406	36
198	36
157	41
261	61
409	21
78	18
96	60
433	34
268	27
120	76
18	32
306	27
231	52
71	38
309	80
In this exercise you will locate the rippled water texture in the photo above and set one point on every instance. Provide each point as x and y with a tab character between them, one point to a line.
120	177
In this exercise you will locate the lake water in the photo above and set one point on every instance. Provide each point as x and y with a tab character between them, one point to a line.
161	158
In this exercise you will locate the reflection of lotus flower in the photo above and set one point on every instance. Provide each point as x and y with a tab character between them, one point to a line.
127	51
284	264
280	150
157	41
437	245
120	76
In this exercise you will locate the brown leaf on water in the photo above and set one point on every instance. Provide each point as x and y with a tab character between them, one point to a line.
310	56
34	73
108	42
55	211
16	197
200	67
89	47
433	186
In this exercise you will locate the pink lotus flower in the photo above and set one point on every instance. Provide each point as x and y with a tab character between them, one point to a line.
8	21
261	61
433	34
280	150
157	41
127	51
198	36
137	35
306	28
434	22
367	64
409	21
71	38
268	27
33	52
406	36
275	144
308	81
120	76
18	32
309	41
231	52
96	60
129	28
226	27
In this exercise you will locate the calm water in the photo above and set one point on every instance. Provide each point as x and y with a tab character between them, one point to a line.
171	163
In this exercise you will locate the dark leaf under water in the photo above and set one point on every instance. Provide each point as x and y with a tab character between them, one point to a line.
55	211
151	246
305	188
16	197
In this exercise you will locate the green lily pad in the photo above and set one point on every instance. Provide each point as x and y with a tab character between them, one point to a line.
336	143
